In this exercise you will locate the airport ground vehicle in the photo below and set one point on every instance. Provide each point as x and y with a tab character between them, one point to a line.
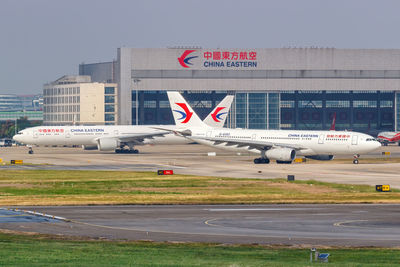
5	142
279	145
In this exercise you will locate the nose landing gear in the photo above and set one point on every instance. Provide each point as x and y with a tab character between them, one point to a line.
30	151
355	160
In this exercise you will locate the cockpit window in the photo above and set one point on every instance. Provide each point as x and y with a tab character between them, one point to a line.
20	132
370	139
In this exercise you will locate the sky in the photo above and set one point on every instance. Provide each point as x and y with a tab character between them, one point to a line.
42	40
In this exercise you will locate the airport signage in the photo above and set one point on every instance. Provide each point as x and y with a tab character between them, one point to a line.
218	59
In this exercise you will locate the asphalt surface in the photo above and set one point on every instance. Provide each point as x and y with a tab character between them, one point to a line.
333	225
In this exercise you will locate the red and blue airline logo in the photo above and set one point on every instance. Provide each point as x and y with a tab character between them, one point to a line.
216	115
184	59
186	114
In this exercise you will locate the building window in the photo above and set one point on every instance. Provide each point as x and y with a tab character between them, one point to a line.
310	104
150	104
287	104
109	108
364	104
109	99
163	104
109	90
109	117
386	104
337	104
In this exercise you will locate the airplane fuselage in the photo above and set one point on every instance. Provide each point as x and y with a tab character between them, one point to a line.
88	135
311	142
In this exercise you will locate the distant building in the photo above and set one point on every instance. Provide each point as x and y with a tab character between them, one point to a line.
10	103
77	100
103	72
13	107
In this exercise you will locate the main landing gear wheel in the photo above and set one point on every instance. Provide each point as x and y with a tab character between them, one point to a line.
127	151
261	161
30	151
283	162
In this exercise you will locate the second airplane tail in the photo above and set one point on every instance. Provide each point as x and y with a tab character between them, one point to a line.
219	115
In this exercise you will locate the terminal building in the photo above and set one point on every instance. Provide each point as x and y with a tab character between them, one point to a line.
77	100
274	88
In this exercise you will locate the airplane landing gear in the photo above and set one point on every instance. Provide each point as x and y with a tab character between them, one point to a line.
127	151
30	151
261	161
283	162
355	160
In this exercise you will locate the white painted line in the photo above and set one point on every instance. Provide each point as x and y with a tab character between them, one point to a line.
259	209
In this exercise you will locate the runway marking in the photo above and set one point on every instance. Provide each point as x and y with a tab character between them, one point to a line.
341	224
259	209
210	224
7	216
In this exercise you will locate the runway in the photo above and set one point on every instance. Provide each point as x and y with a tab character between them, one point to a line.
333	225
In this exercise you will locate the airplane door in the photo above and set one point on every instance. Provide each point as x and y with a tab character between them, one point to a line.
354	140
67	134
115	132
321	139
209	134
253	137
35	134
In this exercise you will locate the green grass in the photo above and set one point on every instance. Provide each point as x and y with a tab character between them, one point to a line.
40	250
49	187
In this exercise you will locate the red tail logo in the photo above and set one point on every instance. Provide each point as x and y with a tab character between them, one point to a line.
186	115
216	115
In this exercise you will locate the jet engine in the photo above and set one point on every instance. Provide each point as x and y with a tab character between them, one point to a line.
321	157
89	147
281	154
107	144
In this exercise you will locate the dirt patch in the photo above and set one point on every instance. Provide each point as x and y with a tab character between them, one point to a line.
17	185
305	188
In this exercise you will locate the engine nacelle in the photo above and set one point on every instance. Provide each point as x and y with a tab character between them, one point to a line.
89	147
281	154
321	157
107	144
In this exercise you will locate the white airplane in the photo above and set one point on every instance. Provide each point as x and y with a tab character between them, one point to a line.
109	138
389	137
279	145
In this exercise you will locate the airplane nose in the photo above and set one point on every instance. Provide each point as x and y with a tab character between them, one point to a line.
16	137
377	145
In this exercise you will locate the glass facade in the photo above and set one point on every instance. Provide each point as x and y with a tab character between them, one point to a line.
366	112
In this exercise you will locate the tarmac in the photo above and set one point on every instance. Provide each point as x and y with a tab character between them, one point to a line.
295	225
298	225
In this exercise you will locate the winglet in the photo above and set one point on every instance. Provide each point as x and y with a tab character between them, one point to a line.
218	116
333	122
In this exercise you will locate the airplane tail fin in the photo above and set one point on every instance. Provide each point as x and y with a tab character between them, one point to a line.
183	113
218	116
333	125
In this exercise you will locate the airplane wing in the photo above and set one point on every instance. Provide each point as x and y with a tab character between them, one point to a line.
251	144
140	137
